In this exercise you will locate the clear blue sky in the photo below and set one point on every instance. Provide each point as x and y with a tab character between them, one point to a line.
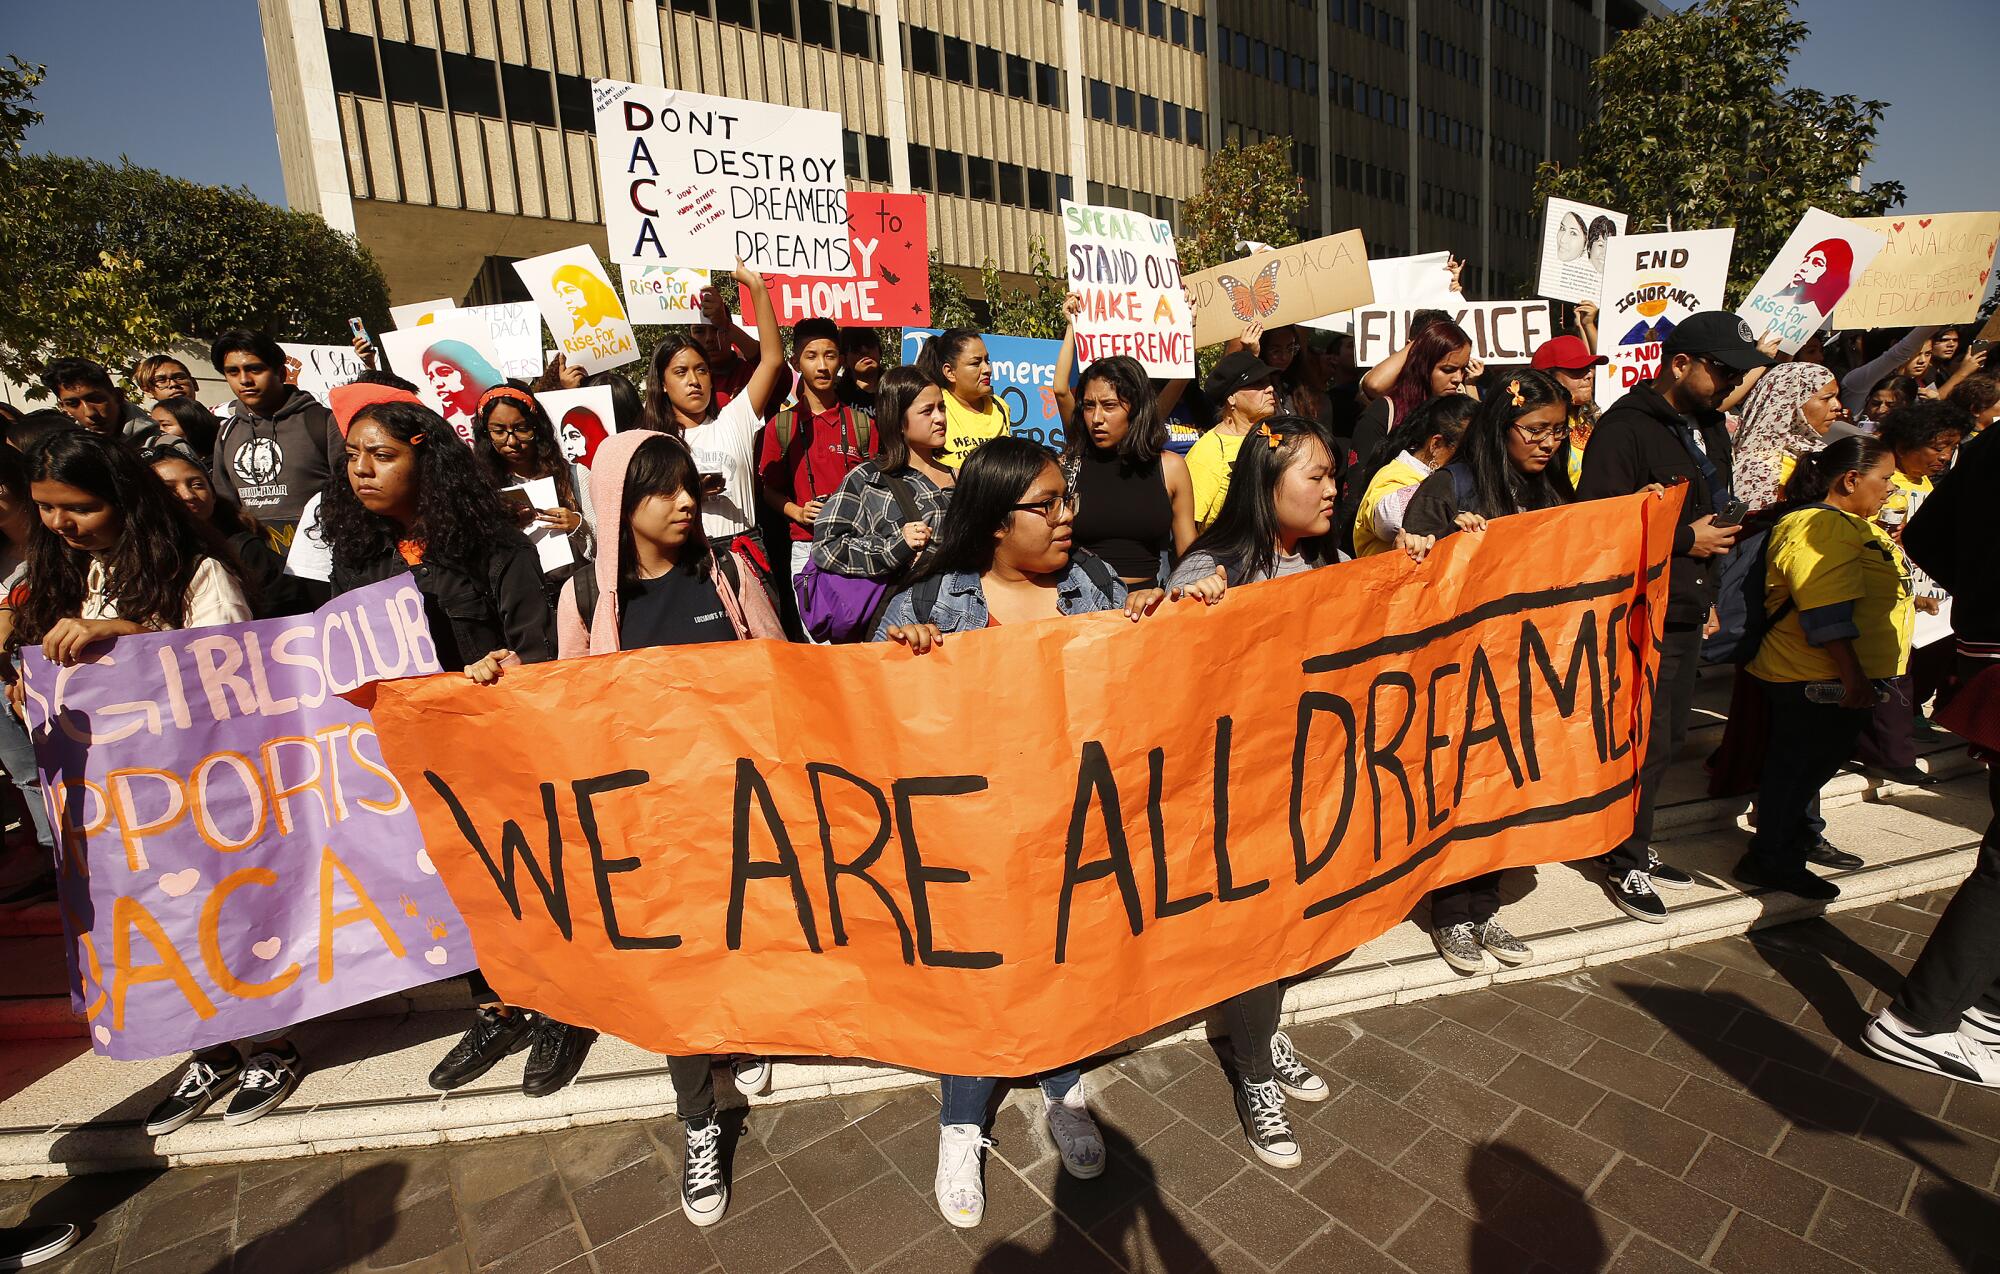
180	85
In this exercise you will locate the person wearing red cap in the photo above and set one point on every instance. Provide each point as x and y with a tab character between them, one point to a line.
1570	361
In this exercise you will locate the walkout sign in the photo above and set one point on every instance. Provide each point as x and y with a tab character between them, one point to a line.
1125	268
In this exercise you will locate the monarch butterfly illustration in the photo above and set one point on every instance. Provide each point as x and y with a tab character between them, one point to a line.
1257	299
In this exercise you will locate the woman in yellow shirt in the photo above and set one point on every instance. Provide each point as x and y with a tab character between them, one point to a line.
956	360
1412	451
1837	592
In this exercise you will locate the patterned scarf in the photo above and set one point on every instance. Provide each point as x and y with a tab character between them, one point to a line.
1773	428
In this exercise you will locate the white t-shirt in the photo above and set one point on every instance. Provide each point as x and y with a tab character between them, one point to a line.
213	597
309	557
728	445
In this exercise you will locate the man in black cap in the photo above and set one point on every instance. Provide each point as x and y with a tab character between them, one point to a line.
1668	430
1244	390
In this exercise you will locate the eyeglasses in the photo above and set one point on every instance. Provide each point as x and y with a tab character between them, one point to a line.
1558	433
173	378
500	433
1067	502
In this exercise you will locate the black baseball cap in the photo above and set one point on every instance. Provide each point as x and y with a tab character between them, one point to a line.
1236	371
1719	335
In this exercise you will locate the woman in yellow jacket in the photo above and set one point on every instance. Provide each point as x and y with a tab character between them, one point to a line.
1421	444
1838	595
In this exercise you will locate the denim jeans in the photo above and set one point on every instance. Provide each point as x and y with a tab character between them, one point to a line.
965	1098
17	757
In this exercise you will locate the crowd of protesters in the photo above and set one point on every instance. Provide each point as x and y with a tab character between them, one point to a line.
751	493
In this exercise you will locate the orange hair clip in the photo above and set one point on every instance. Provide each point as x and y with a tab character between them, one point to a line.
1514	388
1270	437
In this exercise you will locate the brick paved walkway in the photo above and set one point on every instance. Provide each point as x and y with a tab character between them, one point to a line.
1700	1109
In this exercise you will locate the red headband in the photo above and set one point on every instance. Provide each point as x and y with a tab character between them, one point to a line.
504	391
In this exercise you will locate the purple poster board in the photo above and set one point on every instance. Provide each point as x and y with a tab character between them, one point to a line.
233	855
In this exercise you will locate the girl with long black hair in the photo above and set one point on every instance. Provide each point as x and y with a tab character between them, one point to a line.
957	363
865	530
516	444
271	592
1136	498
185	418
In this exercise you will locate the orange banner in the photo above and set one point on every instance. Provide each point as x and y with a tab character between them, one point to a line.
1037	841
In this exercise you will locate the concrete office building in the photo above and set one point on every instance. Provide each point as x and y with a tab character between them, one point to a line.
455	136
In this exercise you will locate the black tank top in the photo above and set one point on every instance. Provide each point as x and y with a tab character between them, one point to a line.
1124	514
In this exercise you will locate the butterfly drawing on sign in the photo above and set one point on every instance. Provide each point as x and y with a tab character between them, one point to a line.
1257	299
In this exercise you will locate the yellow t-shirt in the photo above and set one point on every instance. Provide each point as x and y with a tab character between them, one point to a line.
1394	476
1824	557
965	429
1209	463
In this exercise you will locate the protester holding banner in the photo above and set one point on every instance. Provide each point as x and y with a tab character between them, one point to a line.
957	362
278	447
1414	450
1859	383
681	400
1136	507
1437	361
516	444
811	446
860	366
1665	431
270	592
726	344
1245	389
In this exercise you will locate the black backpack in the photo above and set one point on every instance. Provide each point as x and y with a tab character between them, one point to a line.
924	593
1739	596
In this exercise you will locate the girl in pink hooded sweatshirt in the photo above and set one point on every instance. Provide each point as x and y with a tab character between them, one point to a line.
658	581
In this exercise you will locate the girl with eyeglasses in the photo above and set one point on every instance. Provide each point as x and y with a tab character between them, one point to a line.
516	444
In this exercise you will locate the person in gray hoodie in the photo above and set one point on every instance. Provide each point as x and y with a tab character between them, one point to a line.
278	447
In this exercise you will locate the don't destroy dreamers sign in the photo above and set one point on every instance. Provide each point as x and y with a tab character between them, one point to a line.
699	181
1058	835
234	856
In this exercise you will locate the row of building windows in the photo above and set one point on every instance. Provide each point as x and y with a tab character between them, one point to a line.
1372	102
947	172
1155	18
1515	21
1373	180
1375	23
1513	222
867	157
1447	57
416	75
1567	117
1522	159
1445	202
1446	130
1571	54
1137	201
1260	59
950	58
1512	88
842	28
1150	115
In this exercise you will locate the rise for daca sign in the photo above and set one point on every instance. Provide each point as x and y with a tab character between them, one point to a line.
234	857
1124	267
1047	847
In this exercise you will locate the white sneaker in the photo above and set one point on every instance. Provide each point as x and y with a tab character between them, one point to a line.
961	1194
1075	1134
1952	1054
753	1075
1293	1075
1981	1026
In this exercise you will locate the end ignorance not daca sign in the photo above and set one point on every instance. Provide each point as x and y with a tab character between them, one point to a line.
720	179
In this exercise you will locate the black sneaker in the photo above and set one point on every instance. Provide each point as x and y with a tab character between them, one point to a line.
1633	892
1797	881
1826	855
555	1054
207	1077
704	1194
268	1078
25	1245
493	1035
1261	1107
1665	875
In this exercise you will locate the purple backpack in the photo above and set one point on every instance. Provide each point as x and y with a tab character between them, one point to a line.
841	608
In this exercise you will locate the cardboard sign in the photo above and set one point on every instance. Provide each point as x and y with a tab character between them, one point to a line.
516	332
1127	271
581	307
1933	268
1290	285
419	312
582	417
891	287
234	858
1051	848
319	369
452	360
1651	283
1801	288
1502	331
1024	377
662	293
694	180
1576	243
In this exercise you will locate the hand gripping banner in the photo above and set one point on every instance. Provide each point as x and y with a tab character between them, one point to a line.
1037	841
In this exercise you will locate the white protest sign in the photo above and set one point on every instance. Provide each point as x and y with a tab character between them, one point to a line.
582	308
318	369
582	417
1651	283
452	360
1502	331
1420	282
420	311
1126	270
1822	258
516	329
662	293
1576	241
552	547
719	179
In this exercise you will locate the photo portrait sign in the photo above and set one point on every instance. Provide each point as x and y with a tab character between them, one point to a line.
1502	332
1127	271
1288	285
1803	286
1933	268
1079	847
452	360
581	307
1576	244
1024	378
694	180
233	856
1651	283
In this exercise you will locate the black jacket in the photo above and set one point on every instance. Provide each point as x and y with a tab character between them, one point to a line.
474	612
1637	441
272	592
1952	538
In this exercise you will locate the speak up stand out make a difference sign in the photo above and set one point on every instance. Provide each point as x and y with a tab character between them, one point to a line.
234	856
699	181
1125	268
1047	848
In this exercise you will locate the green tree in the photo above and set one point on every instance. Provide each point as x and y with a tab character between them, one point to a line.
1247	193
950	306
1033	310
1694	131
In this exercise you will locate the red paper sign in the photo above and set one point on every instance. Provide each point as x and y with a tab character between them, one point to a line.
891	286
